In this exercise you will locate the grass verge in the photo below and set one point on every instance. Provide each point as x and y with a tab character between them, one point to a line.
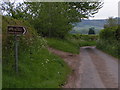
111	48
64	45
87	43
38	68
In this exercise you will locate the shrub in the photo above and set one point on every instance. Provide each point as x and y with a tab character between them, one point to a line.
109	41
38	68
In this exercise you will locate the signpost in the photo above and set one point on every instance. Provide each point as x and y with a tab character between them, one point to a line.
16	31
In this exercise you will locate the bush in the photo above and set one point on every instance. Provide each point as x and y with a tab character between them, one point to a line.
91	30
108	41
108	33
85	37
38	68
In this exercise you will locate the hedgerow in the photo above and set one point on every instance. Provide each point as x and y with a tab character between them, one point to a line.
109	41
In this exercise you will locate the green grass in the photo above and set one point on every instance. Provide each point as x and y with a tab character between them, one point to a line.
84	37
38	68
72	44
108	41
64	45
112	48
87	43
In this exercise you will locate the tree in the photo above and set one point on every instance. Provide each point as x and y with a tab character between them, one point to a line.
117	33
15	10
91	30
111	22
55	19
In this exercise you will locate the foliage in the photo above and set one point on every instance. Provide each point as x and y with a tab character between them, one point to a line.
50	22
63	45
41	70
91	30
108	41
117	33
108	33
110	48
53	19
87	43
15	10
85	37
111	22
38	68
85	40
72	42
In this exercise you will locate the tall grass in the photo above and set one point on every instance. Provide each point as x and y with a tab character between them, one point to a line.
72	43
111	48
108	41
64	45
38	68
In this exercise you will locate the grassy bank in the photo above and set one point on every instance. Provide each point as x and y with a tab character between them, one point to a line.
72	43
111	48
84	40
108	42
64	45
87	43
38	68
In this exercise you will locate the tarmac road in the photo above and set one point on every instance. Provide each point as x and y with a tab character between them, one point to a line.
92	68
99	70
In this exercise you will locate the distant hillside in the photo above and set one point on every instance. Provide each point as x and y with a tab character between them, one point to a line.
97	23
83	27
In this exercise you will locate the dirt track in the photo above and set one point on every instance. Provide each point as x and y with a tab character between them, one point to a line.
91	69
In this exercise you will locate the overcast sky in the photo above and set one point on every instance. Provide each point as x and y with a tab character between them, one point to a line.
109	9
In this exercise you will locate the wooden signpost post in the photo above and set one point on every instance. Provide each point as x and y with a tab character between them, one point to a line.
16	31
